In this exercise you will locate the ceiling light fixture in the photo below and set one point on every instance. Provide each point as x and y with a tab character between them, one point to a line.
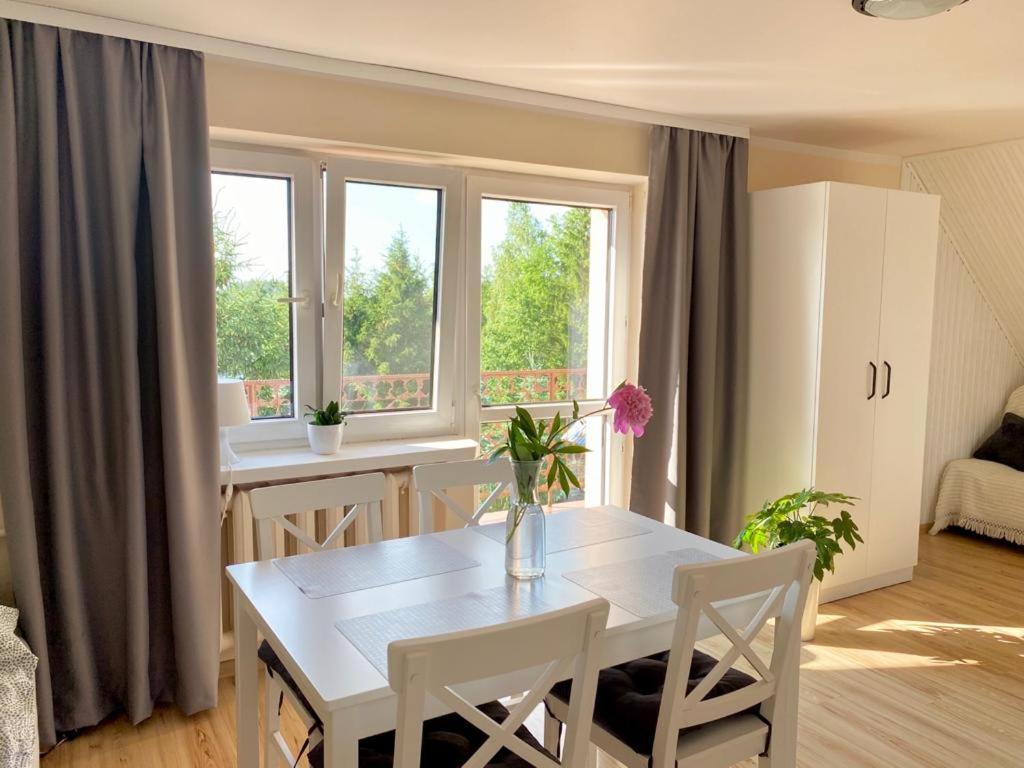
904	9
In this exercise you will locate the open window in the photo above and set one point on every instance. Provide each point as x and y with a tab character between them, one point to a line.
546	311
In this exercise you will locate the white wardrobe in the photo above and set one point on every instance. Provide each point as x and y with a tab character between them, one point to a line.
842	282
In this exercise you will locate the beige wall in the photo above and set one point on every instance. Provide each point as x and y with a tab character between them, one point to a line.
770	167
256	98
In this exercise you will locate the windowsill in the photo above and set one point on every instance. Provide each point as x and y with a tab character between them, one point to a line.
300	462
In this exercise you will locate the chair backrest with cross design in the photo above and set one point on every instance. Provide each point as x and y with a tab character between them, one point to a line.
433	481
272	506
562	645
781	577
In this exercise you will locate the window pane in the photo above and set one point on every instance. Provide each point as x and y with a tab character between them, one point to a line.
253	244
392	253
543	298
586	466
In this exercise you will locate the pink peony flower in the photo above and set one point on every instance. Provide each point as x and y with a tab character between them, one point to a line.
632	407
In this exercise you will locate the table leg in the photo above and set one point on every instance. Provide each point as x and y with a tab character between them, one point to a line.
246	688
341	745
241	528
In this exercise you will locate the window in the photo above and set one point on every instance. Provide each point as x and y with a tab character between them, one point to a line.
389	322
393	234
253	262
550	261
361	281
548	306
266	264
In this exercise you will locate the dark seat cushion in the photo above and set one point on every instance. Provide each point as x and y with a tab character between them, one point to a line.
448	742
1006	444
629	695
269	657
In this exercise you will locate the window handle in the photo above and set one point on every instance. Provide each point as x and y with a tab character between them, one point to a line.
336	296
302	299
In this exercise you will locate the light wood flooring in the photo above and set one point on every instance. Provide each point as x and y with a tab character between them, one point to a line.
929	673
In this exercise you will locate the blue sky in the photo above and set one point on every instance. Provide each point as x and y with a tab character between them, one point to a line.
374	213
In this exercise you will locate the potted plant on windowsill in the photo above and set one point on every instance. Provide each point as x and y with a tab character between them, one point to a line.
792	518
325	427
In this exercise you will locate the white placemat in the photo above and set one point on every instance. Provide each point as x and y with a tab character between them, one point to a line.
575	528
644	586
371	634
337	571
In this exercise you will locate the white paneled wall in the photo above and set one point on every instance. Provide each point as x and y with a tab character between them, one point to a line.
982	191
974	366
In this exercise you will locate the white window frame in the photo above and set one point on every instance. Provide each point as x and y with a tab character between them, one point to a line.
605	480
442	418
303	171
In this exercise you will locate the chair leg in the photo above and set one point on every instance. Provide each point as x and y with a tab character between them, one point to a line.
272	722
552	734
778	756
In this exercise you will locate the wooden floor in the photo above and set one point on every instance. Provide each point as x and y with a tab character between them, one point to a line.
929	673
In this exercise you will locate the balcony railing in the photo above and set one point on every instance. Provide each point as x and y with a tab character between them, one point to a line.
273	397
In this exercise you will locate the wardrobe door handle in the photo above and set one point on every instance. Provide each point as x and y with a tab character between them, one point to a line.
874	380
888	379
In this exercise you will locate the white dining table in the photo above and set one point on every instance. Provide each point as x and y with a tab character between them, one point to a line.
352	697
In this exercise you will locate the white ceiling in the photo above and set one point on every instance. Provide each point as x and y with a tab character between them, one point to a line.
812	71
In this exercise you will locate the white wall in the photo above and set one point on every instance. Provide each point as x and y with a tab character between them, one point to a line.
974	365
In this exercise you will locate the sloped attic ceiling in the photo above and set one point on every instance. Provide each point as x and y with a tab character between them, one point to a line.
982	191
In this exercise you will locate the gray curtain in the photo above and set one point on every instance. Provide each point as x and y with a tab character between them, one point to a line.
692	334
109	470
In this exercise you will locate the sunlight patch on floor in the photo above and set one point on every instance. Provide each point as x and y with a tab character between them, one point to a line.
828	618
838	659
948	644
1011	634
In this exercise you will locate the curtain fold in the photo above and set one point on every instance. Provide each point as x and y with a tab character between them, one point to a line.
687	467
109	470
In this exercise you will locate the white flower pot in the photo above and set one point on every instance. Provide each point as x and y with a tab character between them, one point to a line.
809	622
325	440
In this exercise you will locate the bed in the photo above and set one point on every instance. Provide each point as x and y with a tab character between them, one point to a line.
19	742
982	496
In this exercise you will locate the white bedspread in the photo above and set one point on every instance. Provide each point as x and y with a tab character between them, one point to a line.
983	497
19	745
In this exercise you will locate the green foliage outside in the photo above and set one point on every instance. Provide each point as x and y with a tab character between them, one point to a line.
253	329
388	325
793	518
533	301
533	304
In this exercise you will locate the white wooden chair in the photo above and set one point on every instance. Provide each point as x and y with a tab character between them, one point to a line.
710	715
432	481
561	644
271	508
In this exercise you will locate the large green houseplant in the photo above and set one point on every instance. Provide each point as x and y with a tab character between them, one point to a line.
795	517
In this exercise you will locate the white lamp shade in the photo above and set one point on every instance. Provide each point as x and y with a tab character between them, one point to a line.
232	407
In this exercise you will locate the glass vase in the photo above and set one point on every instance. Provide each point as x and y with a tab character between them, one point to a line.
525	546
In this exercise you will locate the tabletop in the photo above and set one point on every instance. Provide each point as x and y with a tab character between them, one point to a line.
334	673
